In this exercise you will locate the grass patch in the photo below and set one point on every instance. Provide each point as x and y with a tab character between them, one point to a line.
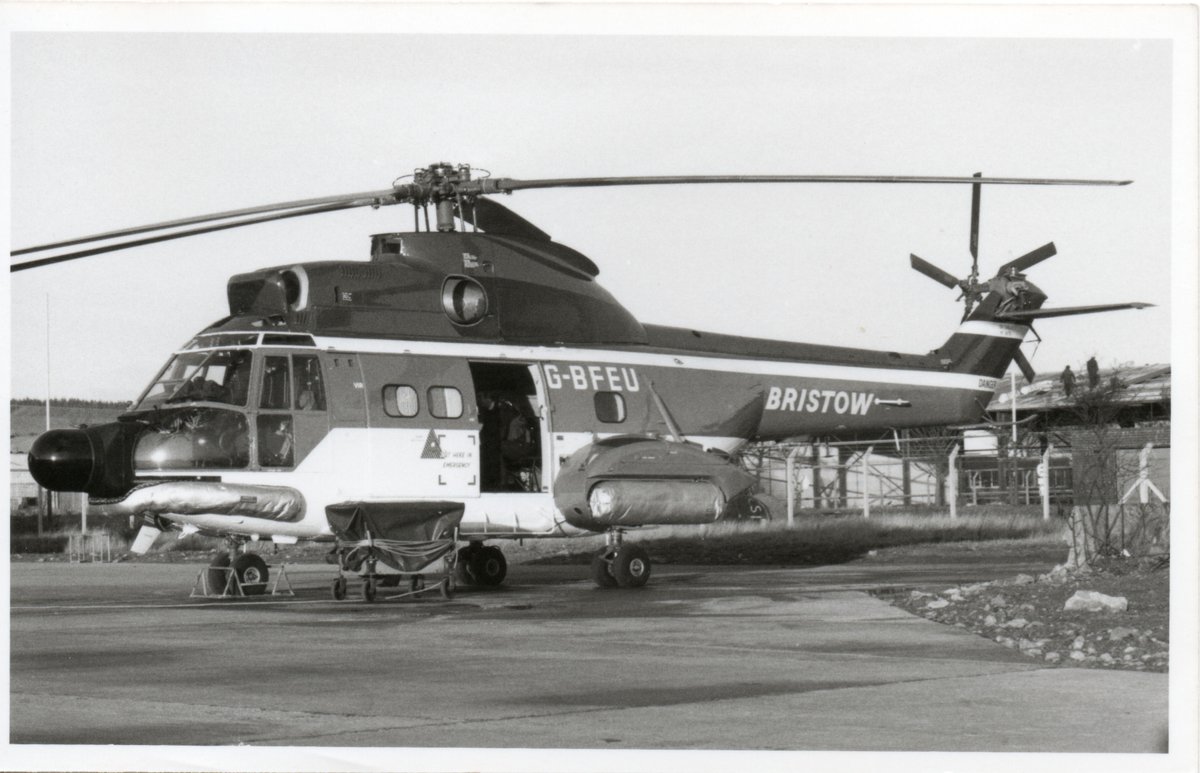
816	541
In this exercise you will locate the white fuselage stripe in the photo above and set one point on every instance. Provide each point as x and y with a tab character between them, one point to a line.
680	360
995	329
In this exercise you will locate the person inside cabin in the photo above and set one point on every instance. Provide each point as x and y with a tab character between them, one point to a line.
490	463
237	380
507	443
277	445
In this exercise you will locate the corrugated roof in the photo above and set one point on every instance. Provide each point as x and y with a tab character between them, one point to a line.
1142	384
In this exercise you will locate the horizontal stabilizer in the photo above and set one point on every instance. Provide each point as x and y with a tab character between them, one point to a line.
1066	311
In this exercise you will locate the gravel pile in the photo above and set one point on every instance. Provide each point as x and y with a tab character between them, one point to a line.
1115	615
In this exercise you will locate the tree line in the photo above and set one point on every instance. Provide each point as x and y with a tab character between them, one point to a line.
70	402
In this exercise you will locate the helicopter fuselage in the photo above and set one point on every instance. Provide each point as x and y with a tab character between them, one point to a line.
399	381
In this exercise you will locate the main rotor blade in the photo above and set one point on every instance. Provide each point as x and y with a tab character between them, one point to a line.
495	218
504	185
933	272
175	235
1031	258
1067	311
369	198
1025	366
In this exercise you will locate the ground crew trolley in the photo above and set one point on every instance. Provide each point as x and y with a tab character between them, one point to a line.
415	540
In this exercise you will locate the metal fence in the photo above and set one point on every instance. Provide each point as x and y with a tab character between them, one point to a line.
908	472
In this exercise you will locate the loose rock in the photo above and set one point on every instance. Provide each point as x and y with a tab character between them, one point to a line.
1094	601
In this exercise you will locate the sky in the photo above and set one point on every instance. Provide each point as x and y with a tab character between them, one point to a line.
114	129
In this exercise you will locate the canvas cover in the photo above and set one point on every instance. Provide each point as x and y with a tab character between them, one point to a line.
406	536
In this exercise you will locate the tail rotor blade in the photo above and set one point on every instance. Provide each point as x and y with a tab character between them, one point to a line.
1029	259
975	191
1026	368
933	272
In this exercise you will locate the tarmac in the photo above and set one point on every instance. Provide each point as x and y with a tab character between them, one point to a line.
702	658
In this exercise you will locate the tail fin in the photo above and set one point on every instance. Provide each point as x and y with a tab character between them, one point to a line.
983	344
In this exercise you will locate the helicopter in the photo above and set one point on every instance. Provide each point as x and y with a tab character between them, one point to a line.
475	365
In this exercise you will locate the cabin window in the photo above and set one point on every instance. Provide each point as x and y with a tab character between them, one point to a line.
276	385
400	400
275	440
309	390
610	407
445	402
287	339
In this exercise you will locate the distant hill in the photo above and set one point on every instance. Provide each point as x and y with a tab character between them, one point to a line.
27	418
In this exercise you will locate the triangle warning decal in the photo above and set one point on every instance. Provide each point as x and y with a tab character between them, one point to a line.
433	449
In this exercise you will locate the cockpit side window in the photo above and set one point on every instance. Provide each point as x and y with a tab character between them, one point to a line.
309	390
276	385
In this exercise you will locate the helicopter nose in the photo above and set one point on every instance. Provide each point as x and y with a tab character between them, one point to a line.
62	460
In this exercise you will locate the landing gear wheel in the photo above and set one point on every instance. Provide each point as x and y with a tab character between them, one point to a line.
251	573
368	590
488	566
447	589
602	569
338	589
217	576
631	566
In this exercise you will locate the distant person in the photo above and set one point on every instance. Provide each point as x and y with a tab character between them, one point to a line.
1068	380
1093	371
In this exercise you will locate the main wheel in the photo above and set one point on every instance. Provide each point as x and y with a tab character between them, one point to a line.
447	588
602	569
218	574
631	566
488	566
338	589
368	590
251	573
